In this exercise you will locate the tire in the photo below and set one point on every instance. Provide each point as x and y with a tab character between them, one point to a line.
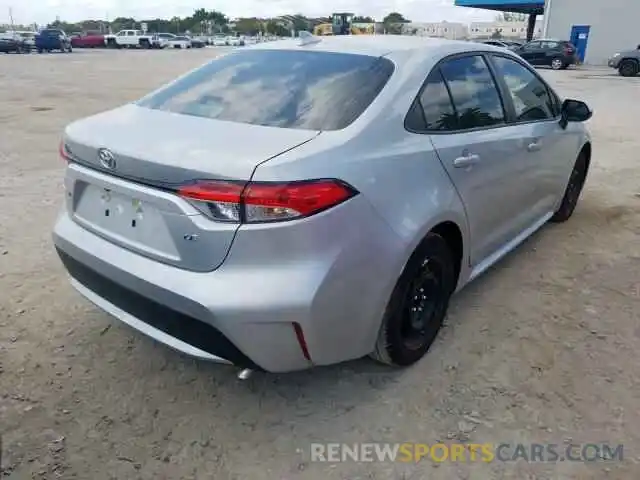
557	63
39	50
628	68
408	331
145	44
572	191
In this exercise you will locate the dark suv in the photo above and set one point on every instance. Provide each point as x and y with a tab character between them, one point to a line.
627	63
558	54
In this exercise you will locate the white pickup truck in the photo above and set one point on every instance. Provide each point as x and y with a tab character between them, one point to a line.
133	39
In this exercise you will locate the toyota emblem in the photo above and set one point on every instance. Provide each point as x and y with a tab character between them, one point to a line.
107	160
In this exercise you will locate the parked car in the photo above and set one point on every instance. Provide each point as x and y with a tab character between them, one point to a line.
88	40
220	41
133	39
180	42
498	43
558	54
13	45
286	237
627	63
234	41
512	43
26	37
51	39
198	42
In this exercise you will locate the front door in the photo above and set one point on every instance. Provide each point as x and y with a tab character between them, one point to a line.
546	147
579	38
532	52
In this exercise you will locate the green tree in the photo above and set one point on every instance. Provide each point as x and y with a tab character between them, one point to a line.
248	26
300	23
394	22
276	28
358	19
497	34
123	23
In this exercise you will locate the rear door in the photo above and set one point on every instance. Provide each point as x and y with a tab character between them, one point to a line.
481	152
131	38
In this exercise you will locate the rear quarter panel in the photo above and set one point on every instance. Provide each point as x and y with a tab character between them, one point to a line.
397	171
404	192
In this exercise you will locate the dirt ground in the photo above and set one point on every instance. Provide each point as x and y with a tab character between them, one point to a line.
543	348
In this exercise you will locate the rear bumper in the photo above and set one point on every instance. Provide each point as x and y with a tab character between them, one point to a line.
244	312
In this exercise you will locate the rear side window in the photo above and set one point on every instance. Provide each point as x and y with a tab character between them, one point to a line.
474	93
531	98
279	88
433	110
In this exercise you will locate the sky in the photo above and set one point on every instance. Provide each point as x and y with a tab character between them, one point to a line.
44	11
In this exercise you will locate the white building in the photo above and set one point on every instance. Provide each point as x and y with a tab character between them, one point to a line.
450	30
507	30
598	29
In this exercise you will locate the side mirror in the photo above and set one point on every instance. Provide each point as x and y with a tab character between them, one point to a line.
574	111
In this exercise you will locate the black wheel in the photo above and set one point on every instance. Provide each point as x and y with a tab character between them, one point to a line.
145	44
557	63
418	304
628	68
572	192
39	50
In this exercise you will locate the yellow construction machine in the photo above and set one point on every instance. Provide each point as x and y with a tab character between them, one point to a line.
342	24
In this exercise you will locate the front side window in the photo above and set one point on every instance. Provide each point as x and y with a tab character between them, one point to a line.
474	93
531	98
278	88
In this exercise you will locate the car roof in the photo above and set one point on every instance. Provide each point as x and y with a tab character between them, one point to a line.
374	45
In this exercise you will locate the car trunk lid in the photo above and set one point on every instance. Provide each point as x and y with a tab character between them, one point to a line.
131	200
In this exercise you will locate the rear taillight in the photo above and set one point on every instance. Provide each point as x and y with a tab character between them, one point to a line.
258	202
64	152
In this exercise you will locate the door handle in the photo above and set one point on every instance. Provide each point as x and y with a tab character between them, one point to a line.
466	160
533	146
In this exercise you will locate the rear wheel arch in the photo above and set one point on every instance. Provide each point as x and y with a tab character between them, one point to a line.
452	234
586	151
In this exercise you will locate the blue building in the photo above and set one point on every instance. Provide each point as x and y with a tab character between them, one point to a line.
533	8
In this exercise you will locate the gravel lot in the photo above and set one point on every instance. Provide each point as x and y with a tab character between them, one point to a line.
544	348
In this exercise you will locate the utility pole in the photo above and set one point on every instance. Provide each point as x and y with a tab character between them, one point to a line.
11	17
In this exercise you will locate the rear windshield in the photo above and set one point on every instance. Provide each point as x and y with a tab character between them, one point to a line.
279	88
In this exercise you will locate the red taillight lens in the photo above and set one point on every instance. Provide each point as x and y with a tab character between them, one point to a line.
258	202
63	151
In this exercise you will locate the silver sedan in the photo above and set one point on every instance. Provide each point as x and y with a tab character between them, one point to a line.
315	200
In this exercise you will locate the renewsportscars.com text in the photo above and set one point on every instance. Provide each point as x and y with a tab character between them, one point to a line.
468	452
